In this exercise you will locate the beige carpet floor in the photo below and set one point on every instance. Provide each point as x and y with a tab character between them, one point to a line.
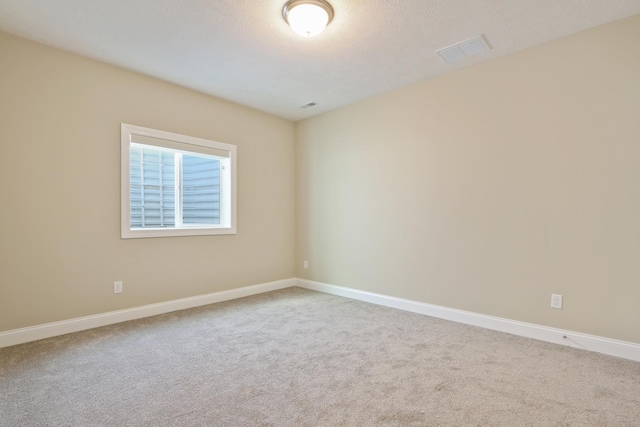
300	358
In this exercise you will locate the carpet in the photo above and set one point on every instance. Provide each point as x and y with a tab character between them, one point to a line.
300	358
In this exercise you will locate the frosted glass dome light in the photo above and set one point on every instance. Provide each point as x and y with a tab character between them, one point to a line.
308	17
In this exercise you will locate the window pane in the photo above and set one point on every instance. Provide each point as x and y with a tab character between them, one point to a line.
200	190
152	188
176	185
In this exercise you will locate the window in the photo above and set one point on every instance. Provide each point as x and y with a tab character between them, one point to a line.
176	185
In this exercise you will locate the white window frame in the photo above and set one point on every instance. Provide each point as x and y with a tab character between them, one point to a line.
228	186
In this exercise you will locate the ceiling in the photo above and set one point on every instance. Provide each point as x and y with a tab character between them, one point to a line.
243	51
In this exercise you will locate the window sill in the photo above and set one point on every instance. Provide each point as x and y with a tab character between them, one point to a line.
142	234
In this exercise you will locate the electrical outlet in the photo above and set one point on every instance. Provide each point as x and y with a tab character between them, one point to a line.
306	264
556	301
117	287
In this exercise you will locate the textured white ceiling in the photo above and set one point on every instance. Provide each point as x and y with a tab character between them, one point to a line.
243	51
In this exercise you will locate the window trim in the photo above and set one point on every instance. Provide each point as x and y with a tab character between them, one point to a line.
189	142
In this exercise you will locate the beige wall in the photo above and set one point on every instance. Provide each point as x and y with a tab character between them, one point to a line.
489	188
60	186
486	189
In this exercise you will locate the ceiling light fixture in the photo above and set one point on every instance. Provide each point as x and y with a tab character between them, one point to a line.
307	17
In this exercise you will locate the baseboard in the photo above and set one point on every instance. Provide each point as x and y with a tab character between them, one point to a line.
623	349
48	330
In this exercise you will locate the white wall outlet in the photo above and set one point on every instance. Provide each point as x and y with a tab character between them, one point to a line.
556	301
117	287
306	264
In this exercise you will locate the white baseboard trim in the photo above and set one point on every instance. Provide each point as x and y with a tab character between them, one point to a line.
623	349
48	330
612	347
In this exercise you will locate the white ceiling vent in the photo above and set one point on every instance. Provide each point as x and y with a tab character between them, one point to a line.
456	52
308	105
